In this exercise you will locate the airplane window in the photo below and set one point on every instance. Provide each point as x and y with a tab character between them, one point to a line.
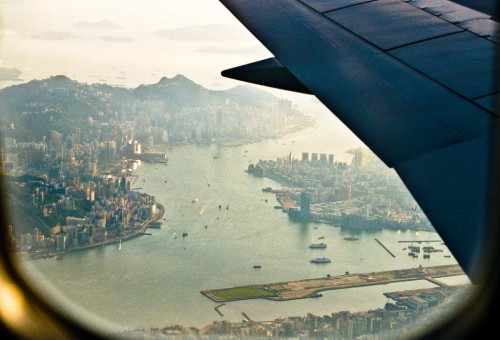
148	196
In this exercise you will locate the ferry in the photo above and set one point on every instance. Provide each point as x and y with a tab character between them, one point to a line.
321	260
317	245
351	238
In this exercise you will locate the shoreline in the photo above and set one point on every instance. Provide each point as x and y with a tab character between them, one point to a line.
141	231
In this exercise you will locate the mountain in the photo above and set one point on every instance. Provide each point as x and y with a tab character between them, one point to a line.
30	111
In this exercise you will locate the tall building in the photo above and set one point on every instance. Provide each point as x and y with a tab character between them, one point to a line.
330	159
305	205
358	160
305	156
314	157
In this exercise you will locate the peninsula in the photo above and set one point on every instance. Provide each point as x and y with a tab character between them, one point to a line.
309	288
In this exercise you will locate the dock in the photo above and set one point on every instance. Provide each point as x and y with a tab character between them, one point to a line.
387	250
217	309
421	241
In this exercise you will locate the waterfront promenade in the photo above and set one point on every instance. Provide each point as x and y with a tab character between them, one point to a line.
312	287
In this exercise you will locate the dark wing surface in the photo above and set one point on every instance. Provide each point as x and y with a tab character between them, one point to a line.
412	79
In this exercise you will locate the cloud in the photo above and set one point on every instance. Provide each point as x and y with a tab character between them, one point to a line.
213	32
105	24
216	50
55	36
9	74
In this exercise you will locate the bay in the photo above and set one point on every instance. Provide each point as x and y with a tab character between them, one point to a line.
156	280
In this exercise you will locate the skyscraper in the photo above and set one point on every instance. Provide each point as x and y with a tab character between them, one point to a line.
305	206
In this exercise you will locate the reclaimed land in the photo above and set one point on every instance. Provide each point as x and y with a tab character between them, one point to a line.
302	289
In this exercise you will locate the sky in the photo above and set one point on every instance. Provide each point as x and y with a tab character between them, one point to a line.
125	42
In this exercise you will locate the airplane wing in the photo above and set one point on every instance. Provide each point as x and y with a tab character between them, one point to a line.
413	79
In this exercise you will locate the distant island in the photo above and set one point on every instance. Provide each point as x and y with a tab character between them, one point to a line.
170	112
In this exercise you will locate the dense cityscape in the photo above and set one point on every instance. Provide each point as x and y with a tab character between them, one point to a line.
362	195
416	308
72	187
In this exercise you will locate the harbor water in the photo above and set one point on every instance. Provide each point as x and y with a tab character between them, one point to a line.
154	281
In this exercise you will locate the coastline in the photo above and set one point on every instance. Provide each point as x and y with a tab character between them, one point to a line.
42	254
141	231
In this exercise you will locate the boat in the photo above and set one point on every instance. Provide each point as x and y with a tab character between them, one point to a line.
257	266
184	234
321	260
321	238
195	200
317	245
351	238
154	157
59	257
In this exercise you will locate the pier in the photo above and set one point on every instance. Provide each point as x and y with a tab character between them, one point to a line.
308	288
421	241
217	309
387	250
245	315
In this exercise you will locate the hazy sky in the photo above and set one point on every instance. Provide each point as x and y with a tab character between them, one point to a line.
126	42
133	42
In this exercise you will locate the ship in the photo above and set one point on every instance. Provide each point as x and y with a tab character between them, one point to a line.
321	260
184	234
317	245
257	266
351	238
154	157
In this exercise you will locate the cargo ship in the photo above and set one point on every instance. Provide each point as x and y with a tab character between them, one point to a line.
351	238
321	260
317	245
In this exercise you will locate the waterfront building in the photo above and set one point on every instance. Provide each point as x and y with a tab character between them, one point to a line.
305	206
61	241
